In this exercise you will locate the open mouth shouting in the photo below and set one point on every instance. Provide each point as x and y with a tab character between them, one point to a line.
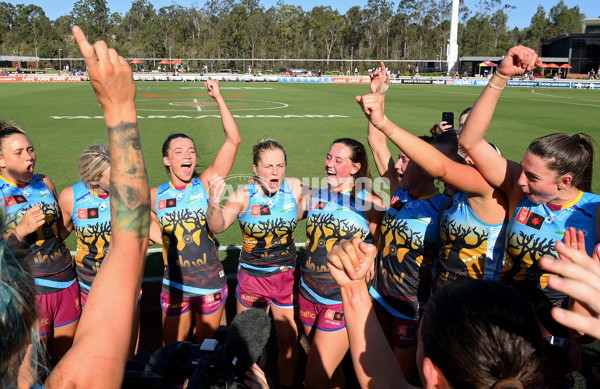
400	174
270	185
331	176
186	168
29	167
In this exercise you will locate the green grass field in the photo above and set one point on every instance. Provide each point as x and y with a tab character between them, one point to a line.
64	118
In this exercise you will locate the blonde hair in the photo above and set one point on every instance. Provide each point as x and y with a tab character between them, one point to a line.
266	144
93	162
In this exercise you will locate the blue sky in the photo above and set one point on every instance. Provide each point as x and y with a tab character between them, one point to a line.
518	17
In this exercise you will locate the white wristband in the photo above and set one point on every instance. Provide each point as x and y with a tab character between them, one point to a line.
379	127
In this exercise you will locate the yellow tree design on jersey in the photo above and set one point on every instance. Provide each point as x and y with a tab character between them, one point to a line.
46	230
523	253
469	240
95	240
266	234
183	226
398	239
324	229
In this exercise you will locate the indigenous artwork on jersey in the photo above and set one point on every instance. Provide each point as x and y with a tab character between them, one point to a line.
94	239
470	240
263	236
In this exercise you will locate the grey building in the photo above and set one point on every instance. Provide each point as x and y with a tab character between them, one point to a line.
581	49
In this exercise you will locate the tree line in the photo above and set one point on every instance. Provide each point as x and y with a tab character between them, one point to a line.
381	30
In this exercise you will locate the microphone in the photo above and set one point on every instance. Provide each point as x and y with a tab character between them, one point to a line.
246	339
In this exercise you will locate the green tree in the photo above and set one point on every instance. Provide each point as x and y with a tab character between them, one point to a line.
143	33
93	17
538	30
325	28
499	21
234	31
377	20
7	15
290	20
407	21
257	26
32	28
479	36
352	31
565	20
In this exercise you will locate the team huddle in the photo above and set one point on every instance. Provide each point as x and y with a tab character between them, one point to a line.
494	221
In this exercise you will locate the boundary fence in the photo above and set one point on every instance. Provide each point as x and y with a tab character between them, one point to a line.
537	83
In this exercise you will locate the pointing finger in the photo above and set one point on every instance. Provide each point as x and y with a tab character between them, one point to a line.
87	50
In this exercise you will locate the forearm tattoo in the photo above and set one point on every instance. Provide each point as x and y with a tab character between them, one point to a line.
129	189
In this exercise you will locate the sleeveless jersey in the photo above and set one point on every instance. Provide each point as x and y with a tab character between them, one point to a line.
268	231
472	248
330	219
48	258
531	234
91	221
408	244
192	265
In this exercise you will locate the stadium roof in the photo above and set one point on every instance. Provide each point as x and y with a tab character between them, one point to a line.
18	58
481	59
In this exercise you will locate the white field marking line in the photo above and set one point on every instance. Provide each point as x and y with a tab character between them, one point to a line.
224	88
522	98
283	105
535	92
198	106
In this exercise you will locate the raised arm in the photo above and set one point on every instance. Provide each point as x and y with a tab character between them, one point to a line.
434	162
226	156
97	357
499	172
373	359
220	218
377	140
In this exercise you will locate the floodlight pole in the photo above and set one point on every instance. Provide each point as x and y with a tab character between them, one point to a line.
452	52
351	58
59	60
